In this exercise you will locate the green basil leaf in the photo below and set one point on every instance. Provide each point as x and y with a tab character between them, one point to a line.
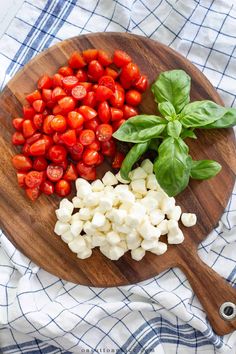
187	133
204	169
172	86
133	155
172	167
167	110
174	128
140	128
154	144
200	113
228	120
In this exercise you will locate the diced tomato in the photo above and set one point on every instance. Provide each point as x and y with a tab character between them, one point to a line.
90	100
38	148
65	71
17	123
117	100
47	187
76	61
47	124
38	121
104	132
103	93
119	87
70	81
69	137
54	172
90	156
104	58
121	58
63	164
40	164
58	123
104	112
35	95
108	148
87	85
48	141
118	159
26	149
142	83
32	193
63	188
28	128
116	124
100	159
87	112
33	179
57	110
47	95
107	81
79	92
33	138
126	84
57	138
129	111
92	124
116	114
21	179
76	151
81	75
130	72
90	54
85	171
21	162
28	112
71	173
45	82
57	153
67	103
86	137
95	145
95	70
57	80
38	106
111	72
18	138
75	119
57	94
133	97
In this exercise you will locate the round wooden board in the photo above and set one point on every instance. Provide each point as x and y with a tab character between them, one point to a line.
30	225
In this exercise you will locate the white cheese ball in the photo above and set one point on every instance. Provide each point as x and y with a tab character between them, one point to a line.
175	237
138	254
139	186
78	244
61	227
109	179
120	179
156	216
85	214
98	220
78	202
67	236
99	239
160	248
97	186
75	217
152	182
174	213
163	227
116	252
167	204
65	203
88	228
149	244
85	253
63	215
91	200
113	238
149	203
83	190
106	227
137	173
147	166
188	219
76	227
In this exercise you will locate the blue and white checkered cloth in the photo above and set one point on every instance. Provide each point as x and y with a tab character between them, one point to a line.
40	313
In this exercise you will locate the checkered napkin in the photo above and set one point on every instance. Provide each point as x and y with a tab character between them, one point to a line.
40	313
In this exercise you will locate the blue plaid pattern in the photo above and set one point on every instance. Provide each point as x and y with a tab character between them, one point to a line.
40	313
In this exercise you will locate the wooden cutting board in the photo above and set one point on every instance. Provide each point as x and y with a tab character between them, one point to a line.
30	225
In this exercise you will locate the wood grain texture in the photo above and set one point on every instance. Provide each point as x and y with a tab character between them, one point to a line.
30	226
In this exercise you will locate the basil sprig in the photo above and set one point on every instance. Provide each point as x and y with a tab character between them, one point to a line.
173	166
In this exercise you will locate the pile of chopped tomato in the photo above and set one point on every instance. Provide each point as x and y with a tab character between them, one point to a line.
68	121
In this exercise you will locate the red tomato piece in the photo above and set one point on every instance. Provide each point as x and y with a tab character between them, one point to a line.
54	172
129	111
90	100
45	82
75	119
17	123
57	80
116	125
76	151
107	81
90	54
18	138
87	112
142	83
79	92
90	156
118	159
38	121
81	75
33	179
85	171
116	114
34	138
108	148
39	106
32	193
87	85
76	61
28	112
130	72
69	137
21	179
47	187
35	95
57	138
57	94
57	153
119	87
47	95
40	164
63	164
126	84
63	188
95	70
65	71
70	81
57	110
121	58
58	123
104	112
47	124
92	124
71	173
38	148
26	149
21	162
104	132
67	103
86	137
104	58
95	145
48	141
133	97
100	159
111	72
103	93
117	100
28	128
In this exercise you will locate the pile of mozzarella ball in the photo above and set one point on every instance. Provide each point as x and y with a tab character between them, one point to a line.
118	216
